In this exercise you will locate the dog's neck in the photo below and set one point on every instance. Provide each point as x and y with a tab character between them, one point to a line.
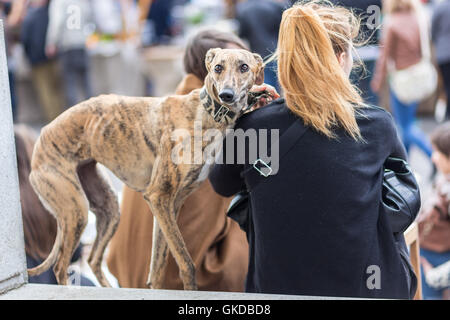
219	112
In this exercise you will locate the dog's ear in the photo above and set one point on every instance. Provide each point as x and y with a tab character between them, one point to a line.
210	57
260	69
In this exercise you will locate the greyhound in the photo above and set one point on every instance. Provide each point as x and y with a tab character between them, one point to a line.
132	137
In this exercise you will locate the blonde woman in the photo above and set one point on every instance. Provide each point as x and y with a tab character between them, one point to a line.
317	224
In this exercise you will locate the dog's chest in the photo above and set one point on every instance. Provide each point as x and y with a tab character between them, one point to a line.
210	155
210	135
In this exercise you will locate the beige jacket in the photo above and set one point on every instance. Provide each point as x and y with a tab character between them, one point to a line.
217	245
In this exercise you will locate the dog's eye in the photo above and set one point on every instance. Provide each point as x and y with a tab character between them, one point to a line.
218	68
244	68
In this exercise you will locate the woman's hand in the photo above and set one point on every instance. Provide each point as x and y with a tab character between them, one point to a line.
273	95
375	85
50	51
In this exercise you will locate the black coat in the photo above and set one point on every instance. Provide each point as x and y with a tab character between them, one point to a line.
317	224
259	22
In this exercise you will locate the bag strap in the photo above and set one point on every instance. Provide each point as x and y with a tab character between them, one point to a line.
424	38
260	170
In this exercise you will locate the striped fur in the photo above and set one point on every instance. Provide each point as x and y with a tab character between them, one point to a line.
132	137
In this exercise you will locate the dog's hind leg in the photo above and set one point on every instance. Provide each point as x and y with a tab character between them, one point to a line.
103	203
61	193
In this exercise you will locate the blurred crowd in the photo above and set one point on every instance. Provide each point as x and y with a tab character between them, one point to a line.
61	52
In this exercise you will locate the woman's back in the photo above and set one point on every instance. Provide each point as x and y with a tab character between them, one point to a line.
403	39
318	224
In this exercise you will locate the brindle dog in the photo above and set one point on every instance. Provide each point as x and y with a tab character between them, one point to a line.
133	138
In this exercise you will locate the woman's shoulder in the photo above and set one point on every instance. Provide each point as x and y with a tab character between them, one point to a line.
278	115
373	112
376	120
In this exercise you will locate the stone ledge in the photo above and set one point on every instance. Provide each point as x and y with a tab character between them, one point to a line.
54	292
13	282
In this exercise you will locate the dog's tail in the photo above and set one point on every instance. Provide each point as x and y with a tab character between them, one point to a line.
51	259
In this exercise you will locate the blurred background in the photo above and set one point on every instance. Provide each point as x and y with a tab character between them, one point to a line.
135	47
61	52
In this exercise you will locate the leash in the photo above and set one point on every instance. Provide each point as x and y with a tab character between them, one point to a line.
254	98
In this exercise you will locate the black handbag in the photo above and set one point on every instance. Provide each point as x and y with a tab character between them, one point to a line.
401	203
400	194
239	210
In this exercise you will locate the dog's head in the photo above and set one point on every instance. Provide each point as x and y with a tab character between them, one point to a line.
231	74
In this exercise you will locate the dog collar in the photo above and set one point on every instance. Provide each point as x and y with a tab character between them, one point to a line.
218	111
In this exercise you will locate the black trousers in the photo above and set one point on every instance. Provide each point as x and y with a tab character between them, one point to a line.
75	69
445	71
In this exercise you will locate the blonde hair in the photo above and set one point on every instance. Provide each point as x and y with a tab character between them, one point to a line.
315	86
399	5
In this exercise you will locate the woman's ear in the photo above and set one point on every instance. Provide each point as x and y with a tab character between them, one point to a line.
210	57
345	60
341	58
260	69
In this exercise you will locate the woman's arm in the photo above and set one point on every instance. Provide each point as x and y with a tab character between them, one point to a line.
56	16
386	47
225	177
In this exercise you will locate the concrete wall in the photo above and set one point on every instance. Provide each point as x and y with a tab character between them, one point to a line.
12	254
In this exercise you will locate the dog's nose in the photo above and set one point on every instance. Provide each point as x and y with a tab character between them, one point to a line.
226	95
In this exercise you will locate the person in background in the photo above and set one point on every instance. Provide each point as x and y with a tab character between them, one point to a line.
12	14
39	226
440	36
160	18
318	226
68	29
259	21
216	243
45	71
401	45
434	219
116	62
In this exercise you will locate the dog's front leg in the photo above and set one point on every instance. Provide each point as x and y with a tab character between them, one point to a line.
162	208
159	258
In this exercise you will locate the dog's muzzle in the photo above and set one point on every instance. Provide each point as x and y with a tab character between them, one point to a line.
227	95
